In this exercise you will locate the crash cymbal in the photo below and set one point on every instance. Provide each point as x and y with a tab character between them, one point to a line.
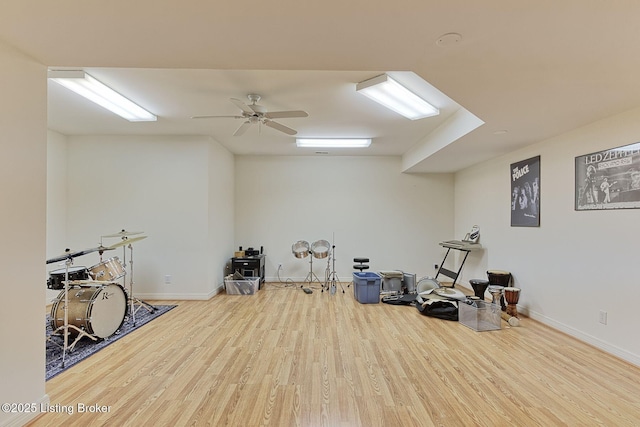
126	242
450	293
124	233
68	253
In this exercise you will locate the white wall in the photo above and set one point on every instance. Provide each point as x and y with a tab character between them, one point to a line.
23	165
56	201
576	263
372	208
221	212
162	186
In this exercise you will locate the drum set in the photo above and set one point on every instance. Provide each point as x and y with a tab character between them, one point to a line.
91	302
319	249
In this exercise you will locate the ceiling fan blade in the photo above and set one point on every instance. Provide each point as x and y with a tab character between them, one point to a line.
217	117
241	105
286	114
242	129
280	127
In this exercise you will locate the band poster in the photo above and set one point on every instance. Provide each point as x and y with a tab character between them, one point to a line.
525	193
608	179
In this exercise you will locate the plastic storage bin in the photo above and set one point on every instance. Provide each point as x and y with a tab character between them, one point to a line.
248	286
484	317
366	287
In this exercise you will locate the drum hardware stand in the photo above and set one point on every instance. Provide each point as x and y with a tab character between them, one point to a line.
65	327
132	299
332	277
311	274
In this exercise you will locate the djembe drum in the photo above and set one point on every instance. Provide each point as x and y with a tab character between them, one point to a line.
479	287
499	278
496	292
512	295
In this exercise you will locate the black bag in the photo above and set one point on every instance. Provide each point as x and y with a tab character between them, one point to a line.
442	309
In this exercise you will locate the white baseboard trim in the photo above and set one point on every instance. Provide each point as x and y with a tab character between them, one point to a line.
179	296
21	418
589	339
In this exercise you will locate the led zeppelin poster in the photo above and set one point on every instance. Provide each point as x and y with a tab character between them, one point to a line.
608	179
525	193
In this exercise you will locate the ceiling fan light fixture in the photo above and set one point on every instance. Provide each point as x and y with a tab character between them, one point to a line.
87	86
333	142
388	92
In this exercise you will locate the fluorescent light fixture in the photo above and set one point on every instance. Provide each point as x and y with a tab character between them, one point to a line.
333	142
83	84
388	92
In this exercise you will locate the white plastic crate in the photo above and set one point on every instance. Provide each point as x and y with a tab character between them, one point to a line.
248	286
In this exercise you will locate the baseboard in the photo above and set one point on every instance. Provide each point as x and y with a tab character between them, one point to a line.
179	296
589	339
19	419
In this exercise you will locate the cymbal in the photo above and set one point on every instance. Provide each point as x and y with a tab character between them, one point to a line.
124	233
126	242
68	253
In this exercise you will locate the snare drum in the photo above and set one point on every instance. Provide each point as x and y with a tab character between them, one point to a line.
321	249
98	310
300	249
57	277
107	271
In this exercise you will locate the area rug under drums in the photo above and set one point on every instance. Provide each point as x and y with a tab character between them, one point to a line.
86	347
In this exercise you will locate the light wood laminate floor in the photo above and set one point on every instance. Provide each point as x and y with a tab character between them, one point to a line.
285	358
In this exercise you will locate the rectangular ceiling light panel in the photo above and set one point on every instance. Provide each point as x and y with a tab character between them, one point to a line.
85	85
333	142
388	92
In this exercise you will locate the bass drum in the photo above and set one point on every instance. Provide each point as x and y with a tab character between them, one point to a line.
98	310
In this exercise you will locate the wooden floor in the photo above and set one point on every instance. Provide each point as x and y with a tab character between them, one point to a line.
285	358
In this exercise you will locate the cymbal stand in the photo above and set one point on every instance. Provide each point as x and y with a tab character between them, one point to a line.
327	274
132	299
65	326
332	278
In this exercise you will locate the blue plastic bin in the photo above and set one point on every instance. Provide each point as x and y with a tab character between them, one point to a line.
366	287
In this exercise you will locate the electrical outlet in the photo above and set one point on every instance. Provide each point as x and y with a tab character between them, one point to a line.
603	317
167	279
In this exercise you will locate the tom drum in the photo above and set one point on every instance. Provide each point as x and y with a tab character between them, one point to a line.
107	271
321	249
300	249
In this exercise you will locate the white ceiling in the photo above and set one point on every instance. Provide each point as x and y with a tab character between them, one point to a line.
532	68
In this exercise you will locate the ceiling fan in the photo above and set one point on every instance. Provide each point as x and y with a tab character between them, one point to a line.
257	114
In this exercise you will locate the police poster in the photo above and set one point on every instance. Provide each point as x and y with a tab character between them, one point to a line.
525	193
608	179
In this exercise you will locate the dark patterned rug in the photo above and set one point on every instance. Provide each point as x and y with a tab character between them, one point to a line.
85	347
